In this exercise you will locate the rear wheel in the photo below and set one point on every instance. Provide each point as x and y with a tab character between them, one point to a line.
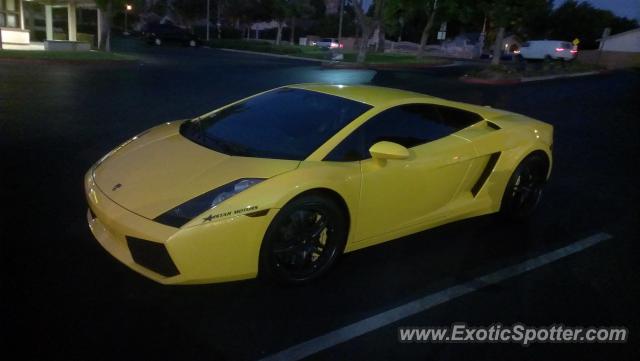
303	241
524	189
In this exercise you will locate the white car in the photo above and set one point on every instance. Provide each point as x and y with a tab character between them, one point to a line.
548	49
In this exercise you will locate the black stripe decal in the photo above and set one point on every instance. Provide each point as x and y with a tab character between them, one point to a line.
493	159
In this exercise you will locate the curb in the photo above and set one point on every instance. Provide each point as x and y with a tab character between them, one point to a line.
551	77
343	65
473	80
270	54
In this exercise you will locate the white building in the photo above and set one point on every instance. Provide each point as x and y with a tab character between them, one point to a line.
629	41
14	27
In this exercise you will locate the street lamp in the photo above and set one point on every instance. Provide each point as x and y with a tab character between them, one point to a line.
127	8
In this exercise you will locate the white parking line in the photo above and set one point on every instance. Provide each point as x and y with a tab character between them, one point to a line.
359	328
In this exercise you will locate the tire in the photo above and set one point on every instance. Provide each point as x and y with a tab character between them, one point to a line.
524	189
157	41
303	241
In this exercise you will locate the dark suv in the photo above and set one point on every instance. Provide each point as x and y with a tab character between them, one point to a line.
158	34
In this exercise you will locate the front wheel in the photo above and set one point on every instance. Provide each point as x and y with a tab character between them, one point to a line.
524	189
304	240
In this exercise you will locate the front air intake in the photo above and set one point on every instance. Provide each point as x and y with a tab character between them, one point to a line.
152	255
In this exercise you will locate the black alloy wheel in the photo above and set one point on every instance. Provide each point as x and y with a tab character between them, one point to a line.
524	190
303	241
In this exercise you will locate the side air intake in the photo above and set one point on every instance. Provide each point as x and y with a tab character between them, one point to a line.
493	159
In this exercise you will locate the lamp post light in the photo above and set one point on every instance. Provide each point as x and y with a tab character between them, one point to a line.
127	8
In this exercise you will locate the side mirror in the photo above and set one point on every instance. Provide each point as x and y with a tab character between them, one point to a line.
388	150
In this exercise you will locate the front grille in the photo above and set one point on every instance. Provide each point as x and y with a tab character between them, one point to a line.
152	255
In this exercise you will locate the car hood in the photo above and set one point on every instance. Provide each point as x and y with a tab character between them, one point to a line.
160	169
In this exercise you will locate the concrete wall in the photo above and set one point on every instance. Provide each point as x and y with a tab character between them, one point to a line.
65	45
15	36
609	59
627	42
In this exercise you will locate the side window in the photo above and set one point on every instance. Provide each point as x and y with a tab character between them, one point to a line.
457	118
408	125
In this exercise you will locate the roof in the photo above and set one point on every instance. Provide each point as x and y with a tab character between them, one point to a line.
372	95
625	33
381	96
79	3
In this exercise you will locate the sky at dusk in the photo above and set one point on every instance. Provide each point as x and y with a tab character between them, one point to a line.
628	8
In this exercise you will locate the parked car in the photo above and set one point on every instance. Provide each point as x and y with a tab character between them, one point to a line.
327	43
282	183
158	34
548	49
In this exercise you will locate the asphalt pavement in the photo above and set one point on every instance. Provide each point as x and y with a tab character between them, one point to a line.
62	295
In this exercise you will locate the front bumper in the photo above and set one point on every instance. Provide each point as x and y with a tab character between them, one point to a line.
225	250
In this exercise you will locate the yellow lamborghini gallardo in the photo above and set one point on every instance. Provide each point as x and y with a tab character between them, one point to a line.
283	182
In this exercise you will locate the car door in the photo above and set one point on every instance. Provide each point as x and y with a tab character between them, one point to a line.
400	193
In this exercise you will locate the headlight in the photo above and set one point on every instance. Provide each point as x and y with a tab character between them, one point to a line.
185	212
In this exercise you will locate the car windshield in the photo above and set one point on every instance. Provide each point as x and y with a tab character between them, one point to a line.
286	123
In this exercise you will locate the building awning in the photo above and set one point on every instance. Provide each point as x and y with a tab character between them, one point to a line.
63	3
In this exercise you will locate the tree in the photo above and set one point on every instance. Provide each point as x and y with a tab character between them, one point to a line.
187	11
379	16
416	9
247	12
394	16
515	15
367	24
502	13
280	11
580	20
298	9
106	13
430	8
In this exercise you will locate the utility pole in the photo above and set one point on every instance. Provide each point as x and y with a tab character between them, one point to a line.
127	8
483	35
208	17
340	22
218	23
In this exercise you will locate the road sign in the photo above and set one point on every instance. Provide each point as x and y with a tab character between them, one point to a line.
576	41
442	35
